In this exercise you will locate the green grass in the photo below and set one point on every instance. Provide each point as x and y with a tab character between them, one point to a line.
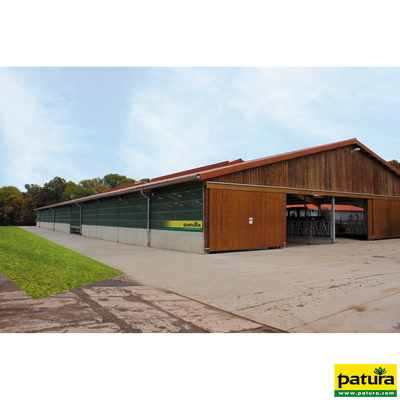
42	268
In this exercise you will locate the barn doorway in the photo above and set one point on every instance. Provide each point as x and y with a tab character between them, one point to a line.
309	219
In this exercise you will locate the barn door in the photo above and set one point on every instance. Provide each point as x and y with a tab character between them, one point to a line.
244	220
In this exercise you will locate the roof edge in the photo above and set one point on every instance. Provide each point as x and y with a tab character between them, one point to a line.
291	155
199	169
146	186
390	166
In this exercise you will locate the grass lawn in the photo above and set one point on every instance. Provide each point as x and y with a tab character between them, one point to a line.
41	268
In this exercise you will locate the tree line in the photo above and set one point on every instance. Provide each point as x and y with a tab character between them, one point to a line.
395	164
18	208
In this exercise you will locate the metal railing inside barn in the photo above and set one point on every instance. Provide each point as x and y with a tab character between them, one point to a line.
352	228
309	227
314	227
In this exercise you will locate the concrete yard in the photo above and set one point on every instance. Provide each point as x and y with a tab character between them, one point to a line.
352	286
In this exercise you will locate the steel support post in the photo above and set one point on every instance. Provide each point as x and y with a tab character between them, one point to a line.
333	233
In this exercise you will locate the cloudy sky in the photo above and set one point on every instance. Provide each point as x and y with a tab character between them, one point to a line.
85	122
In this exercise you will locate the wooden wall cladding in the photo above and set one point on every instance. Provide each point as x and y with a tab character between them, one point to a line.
228	215
386	219
333	170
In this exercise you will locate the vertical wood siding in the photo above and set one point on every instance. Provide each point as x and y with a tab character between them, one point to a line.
228	220
334	170
386	219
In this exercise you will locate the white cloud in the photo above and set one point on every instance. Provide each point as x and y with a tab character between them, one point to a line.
189	117
176	125
35	140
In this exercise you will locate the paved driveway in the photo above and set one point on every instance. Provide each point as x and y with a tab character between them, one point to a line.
352	286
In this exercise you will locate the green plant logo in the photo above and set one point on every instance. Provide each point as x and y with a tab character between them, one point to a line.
380	371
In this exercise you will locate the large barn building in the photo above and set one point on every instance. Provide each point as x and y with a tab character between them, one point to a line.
242	205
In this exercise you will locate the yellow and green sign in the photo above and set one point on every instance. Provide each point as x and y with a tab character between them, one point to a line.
184	225
365	380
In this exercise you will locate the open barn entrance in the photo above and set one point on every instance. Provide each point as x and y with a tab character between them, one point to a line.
310	219
352	219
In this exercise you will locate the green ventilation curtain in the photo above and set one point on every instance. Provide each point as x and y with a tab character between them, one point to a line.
107	212
65	214
46	216
89	213
133	211
75	216
179	209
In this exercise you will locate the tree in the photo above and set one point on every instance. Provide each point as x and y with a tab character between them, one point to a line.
10	212
326	214
93	186
34	192
87	187
52	191
395	164
6	191
114	180
28	213
126	181
72	191
145	180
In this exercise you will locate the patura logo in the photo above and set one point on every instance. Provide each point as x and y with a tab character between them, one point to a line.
194	224
377	379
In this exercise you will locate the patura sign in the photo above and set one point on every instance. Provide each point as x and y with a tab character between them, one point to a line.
184	225
365	380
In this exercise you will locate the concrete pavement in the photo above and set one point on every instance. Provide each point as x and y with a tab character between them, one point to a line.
351	286
114	305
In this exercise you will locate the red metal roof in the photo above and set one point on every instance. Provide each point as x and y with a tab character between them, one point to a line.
200	169
226	167
178	174
122	187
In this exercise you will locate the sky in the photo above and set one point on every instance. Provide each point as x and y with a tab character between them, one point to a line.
86	122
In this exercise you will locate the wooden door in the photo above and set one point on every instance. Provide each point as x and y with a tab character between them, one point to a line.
244	220
385	219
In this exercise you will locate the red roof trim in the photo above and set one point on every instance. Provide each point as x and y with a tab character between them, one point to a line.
288	156
121	187
197	170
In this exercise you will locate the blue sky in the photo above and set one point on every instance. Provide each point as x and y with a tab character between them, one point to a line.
86	122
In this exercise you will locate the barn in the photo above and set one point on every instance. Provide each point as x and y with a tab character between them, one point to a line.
242	205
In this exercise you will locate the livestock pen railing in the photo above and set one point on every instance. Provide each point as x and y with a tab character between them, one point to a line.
322	228
353	228
309	227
